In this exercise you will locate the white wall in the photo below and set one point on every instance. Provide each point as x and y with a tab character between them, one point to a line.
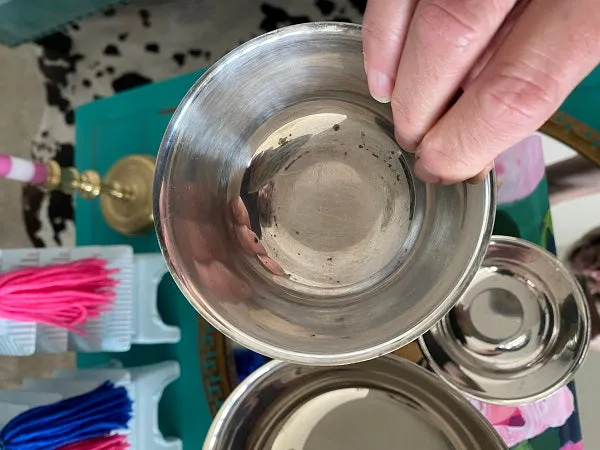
571	221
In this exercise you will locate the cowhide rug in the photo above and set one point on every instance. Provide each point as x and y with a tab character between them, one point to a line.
134	44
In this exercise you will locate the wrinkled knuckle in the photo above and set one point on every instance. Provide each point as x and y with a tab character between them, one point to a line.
370	30
398	106
406	124
455	156
524	98
374	32
447	21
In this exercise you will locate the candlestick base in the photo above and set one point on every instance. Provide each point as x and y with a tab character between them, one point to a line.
129	212
125	193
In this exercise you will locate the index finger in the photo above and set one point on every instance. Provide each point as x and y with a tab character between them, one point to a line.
552	47
384	29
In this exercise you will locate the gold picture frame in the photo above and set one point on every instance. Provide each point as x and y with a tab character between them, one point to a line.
574	133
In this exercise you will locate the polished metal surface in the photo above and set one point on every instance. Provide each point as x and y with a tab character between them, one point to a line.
290	218
127	207
520	331
387	403
125	192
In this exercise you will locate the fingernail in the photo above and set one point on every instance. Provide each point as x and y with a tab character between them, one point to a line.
380	85
423	172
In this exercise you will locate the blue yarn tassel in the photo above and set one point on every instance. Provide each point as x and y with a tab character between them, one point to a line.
246	362
94	414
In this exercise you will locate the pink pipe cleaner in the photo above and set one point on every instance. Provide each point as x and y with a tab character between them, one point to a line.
61	295
114	442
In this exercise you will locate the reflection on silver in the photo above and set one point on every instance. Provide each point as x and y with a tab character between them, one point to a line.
291	219
385	404
520	331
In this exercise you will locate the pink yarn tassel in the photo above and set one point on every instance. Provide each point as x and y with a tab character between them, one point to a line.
61	295
114	442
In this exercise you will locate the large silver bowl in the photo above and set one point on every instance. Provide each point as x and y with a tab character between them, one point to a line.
388	403
290	218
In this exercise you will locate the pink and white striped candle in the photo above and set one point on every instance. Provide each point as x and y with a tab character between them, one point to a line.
19	169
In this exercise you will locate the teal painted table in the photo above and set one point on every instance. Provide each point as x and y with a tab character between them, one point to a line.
584	100
133	123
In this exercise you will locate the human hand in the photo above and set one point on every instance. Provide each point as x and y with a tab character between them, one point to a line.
514	61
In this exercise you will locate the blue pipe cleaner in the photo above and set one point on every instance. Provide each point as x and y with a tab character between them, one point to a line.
246	362
94	414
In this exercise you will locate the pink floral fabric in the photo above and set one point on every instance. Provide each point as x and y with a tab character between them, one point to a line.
553	421
520	169
573	446
518	424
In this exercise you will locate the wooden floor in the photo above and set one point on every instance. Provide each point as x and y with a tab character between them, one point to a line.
13	370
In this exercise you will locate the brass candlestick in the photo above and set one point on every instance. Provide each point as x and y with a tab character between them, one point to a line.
125	192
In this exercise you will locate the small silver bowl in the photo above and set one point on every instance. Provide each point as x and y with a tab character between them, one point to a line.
520	331
386	403
290	218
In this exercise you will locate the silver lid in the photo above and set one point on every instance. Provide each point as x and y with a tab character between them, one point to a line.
520	331
386	403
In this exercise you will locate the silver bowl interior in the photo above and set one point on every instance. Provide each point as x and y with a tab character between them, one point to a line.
291	219
387	403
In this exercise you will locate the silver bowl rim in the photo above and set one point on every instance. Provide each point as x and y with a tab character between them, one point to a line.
569	374
238	335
